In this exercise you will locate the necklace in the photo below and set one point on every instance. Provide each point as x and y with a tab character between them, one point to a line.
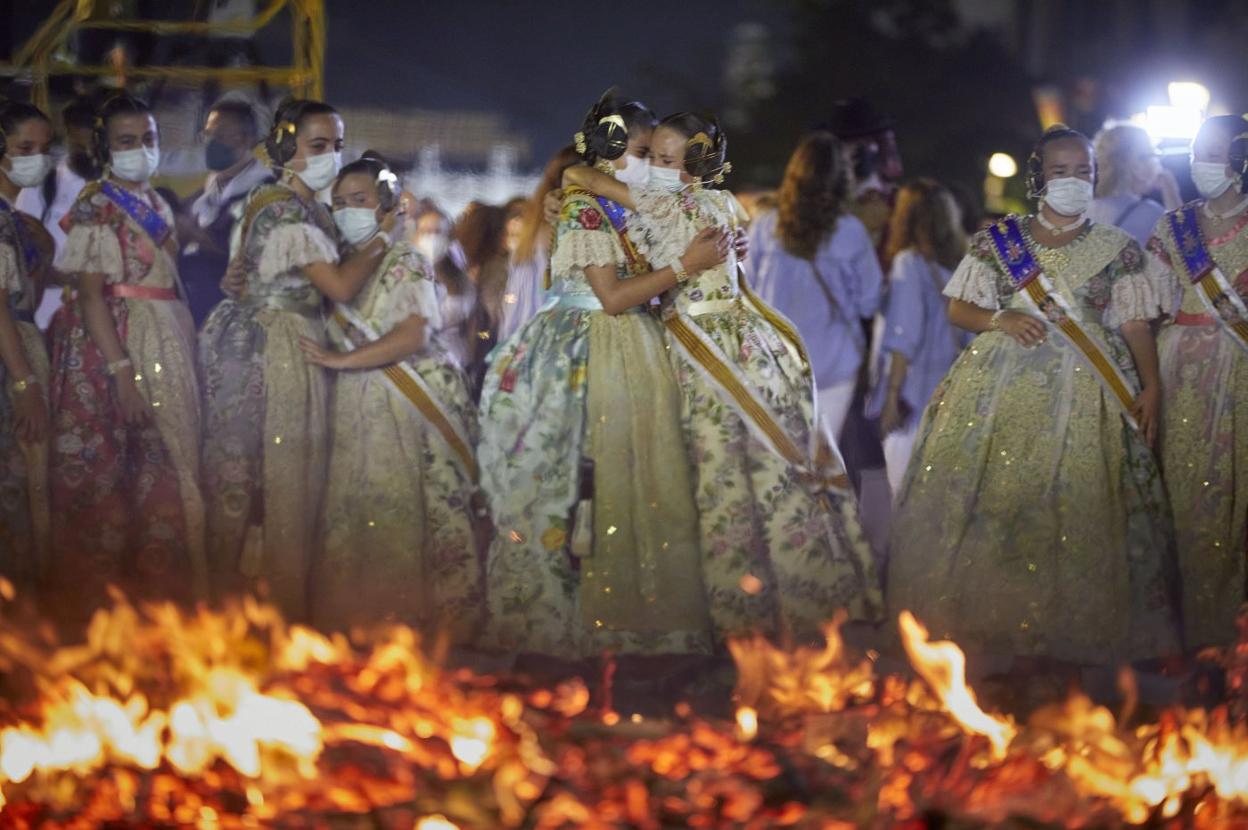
1220	215
1058	230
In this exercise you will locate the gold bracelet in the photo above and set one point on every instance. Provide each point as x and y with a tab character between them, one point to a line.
995	323
116	366
20	386
682	276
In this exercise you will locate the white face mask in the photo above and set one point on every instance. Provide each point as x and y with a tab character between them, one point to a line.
667	178
29	171
1210	178
1069	196
137	165
320	171
433	246
356	223
634	173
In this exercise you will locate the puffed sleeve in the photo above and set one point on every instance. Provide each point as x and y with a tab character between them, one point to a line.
1162	268
903	315
290	245
410	293
582	238
1138	287
92	249
975	279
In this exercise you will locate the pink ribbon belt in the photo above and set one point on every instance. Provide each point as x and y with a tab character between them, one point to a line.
140	292
1185	319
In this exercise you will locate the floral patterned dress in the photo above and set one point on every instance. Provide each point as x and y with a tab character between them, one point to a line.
575	384
397	521
1032	519
265	407
126	499
1204	440
779	553
24	516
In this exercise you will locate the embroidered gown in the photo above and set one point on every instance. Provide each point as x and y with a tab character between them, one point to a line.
265	408
126	499
1032	519
1204	439
574	383
777	553
397	521
24	517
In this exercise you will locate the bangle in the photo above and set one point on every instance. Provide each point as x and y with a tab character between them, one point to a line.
25	383
995	323
116	366
682	276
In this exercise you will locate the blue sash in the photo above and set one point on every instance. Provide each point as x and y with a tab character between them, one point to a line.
1012	252
614	212
30	253
1190	242
1221	300
143	214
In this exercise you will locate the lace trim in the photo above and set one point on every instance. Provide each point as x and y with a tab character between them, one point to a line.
576	250
92	249
975	282
1136	297
10	275
290	247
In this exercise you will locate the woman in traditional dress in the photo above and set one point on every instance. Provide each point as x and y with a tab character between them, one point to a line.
1032	521
816	264
918	343
581	415
397	524
266	409
782	545
1204	375
25	135
125	402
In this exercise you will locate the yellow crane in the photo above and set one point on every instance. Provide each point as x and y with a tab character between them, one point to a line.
37	60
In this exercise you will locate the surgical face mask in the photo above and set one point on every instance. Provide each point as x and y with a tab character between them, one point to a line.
1210	178
135	165
433	246
29	171
667	178
635	172
356	223
1069	196
321	170
218	155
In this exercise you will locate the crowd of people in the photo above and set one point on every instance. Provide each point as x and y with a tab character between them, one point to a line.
610	416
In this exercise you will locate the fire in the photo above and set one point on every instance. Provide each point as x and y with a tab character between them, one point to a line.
747	723
943	666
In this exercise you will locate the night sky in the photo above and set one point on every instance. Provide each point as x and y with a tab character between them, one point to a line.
540	63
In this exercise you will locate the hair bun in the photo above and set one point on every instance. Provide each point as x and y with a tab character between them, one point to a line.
604	133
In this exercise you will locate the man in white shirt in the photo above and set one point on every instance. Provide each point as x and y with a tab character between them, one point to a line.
53	200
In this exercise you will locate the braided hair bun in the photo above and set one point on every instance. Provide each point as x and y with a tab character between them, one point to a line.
604	132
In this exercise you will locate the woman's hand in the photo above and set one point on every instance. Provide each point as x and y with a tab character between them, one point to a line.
708	249
30	415
1145	409
551	204
741	243
891	417
1027	330
318	355
134	410
234	283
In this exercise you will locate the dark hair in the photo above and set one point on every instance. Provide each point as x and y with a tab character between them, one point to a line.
122	103
287	121
925	218
704	159
241	110
375	167
14	113
479	231
79	112
534	213
812	195
601	137
1035	162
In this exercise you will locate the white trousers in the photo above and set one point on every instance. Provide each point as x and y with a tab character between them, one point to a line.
897	449
834	403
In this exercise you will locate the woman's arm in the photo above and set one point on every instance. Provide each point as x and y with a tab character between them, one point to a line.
1027	330
407	338
708	249
342	281
598	182
98	321
1139	337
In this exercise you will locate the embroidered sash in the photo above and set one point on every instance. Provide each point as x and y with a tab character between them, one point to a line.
143	214
1221	300
405	382
1024	271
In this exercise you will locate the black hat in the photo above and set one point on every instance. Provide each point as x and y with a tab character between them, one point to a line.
857	118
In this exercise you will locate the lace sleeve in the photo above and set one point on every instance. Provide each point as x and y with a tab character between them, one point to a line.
1141	285
410	294
975	282
582	238
10	276
655	227
92	249
292	246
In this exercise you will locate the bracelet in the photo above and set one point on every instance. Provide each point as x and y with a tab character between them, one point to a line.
116	366
682	276
25	383
995	323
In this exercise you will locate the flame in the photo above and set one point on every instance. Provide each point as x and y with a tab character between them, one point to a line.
943	665
747	723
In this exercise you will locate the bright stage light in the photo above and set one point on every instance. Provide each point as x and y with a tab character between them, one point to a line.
1172	122
1189	95
1002	165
